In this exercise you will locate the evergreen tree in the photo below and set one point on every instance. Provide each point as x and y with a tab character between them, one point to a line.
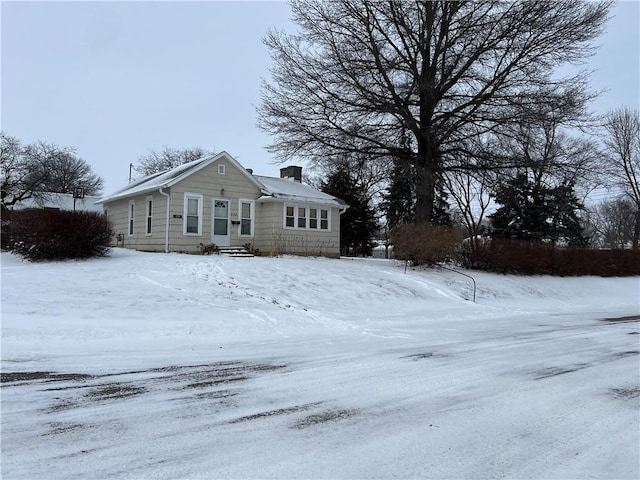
399	201
358	224
441	214
566	224
536	212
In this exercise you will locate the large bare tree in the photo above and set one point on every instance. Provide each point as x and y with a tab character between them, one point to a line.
19	179
542	146
167	158
412	80
613	222
36	170
64	169
622	143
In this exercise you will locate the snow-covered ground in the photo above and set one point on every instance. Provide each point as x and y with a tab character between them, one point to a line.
174	366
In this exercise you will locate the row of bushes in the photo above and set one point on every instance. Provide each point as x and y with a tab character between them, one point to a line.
48	234
429	244
535	258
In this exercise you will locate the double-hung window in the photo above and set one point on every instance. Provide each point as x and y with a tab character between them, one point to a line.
192	222
132	212
289	216
302	217
324	219
313	218
149	214
246	218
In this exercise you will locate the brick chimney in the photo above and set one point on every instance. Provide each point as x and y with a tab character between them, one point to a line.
292	172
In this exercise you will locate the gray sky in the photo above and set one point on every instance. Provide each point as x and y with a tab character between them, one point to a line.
115	79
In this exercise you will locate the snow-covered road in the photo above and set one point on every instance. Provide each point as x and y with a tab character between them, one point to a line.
173	366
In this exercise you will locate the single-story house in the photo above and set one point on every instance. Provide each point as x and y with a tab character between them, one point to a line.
215	200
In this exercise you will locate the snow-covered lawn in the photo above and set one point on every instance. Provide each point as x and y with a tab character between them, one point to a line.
174	366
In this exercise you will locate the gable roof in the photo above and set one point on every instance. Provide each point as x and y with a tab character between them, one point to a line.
272	189
170	177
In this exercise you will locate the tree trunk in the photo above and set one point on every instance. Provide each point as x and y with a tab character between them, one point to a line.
425	191
427	158
636	231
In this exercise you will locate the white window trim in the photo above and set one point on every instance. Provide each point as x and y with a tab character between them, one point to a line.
148	226
307	217
300	217
222	170
328	229
252	212
284	216
131	218
187	196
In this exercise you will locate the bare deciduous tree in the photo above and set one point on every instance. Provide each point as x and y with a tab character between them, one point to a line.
541	147
622	143
413	80
36	170
167	158
471	193
613	222
20	179
64	170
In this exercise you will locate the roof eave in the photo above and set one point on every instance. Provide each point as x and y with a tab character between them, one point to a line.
275	198
134	194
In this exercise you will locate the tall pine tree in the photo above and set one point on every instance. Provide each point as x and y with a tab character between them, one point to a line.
399	203
358	223
536	212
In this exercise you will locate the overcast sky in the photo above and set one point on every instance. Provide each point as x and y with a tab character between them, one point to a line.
115	79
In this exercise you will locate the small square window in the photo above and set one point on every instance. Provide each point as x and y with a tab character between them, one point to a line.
221	169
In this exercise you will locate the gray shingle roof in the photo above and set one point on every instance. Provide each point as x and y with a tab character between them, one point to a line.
272	188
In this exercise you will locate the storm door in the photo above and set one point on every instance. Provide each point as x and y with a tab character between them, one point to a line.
221	231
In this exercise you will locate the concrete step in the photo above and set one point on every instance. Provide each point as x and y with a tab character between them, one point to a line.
235	252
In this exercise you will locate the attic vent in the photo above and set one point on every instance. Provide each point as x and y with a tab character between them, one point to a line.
292	172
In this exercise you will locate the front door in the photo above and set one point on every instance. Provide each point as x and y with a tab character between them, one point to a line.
221	234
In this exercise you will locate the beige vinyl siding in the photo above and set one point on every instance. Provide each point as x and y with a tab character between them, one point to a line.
267	233
118	215
209	183
273	239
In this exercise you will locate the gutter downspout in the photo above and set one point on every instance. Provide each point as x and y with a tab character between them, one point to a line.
166	235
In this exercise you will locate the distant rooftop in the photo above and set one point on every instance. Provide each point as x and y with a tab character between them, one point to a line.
62	201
